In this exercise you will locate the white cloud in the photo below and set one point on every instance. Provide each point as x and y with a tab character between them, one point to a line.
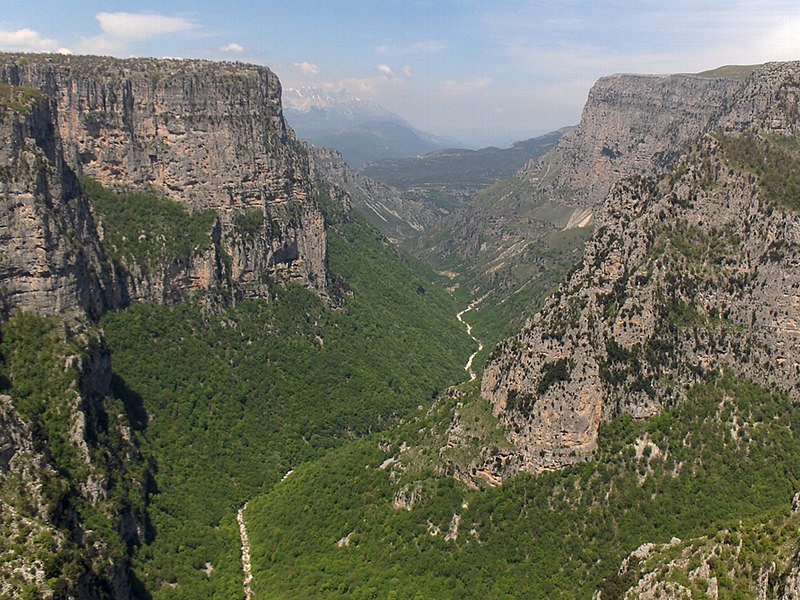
408	71
232	48
26	40
120	29
385	70
307	68
138	26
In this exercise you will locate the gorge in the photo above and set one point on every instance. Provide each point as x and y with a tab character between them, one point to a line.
192	305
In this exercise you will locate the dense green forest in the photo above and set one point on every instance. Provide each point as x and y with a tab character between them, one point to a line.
728	453
40	360
229	399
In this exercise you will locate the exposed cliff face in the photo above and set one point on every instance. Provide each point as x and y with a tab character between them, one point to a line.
209	138
631	125
396	214
52	261
209	135
695	272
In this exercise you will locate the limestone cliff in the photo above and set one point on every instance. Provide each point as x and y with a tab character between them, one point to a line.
204	145
631	125
51	261
208	135
689	273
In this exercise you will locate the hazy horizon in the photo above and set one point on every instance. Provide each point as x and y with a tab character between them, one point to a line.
475	73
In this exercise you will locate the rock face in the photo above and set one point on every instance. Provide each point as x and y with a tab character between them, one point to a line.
631	125
52	261
209	135
73	485
396	214
694	272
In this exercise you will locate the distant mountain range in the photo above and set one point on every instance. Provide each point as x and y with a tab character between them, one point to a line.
361	130
461	167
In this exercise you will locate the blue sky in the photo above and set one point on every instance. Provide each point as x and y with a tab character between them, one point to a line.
476	71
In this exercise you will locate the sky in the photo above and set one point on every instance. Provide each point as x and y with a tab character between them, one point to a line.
477	72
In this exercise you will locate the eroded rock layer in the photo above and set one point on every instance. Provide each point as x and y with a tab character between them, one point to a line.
695	272
208	135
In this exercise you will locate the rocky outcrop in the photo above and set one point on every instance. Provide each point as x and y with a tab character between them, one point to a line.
72	479
720	566
631	125
396	214
684	275
208	135
51	259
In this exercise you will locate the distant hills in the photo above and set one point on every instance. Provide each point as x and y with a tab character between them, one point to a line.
458	172
361	130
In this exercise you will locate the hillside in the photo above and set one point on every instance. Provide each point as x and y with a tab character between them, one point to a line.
255	321
648	405
249	393
390	521
449	177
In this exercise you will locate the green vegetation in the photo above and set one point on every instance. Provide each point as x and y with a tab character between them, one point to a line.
734	557
249	223
40	360
18	98
517	290
512	265
146	229
727	453
230	400
449	170
774	160
729	72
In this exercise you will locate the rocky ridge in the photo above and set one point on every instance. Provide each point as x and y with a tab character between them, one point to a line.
758	560
631	125
52	260
208	135
209	138
688	274
396	214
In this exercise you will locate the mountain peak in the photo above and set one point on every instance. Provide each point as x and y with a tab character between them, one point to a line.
362	130
342	102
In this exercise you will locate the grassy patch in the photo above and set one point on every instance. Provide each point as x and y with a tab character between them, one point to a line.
18	98
774	160
147	229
